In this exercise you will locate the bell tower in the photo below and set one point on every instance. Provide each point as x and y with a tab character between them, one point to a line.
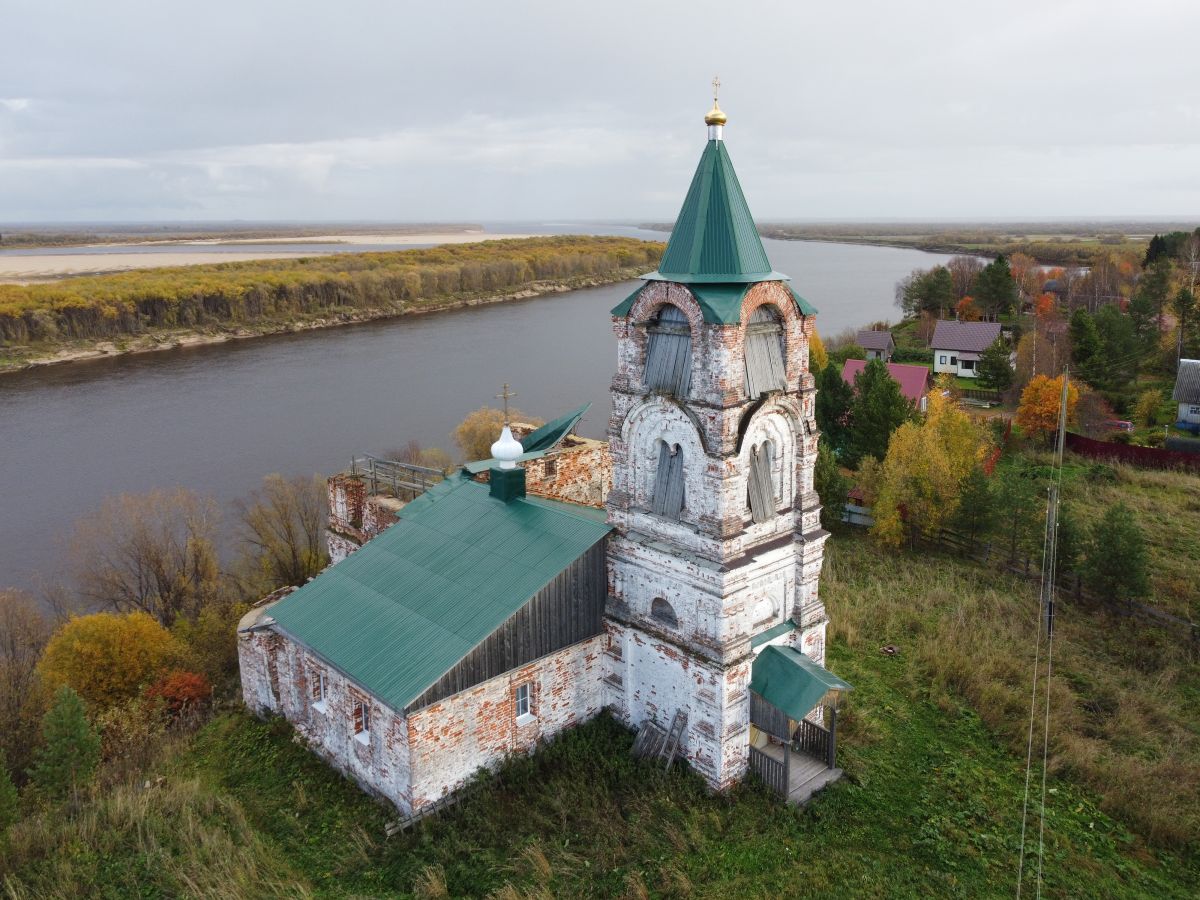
717	543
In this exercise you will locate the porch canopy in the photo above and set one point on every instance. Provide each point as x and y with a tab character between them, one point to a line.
791	682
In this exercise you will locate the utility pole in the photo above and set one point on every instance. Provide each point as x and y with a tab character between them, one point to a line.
1052	513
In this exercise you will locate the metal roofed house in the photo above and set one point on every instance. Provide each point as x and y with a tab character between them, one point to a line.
914	381
957	346
878	344
1187	394
669	575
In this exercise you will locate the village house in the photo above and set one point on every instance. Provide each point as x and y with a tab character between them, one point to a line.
669	575
1187	394
957	346
914	381
878	344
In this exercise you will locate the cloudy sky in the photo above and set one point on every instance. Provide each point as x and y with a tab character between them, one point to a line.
470	111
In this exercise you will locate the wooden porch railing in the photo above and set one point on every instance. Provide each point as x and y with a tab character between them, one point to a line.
770	770
816	741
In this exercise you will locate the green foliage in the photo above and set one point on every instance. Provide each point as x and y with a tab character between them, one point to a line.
877	410
995	288
8	797
994	371
1119	349
264	290
832	408
1071	539
846	351
929	291
1018	509
1085	346
70	751
976	512
831	486
1116	556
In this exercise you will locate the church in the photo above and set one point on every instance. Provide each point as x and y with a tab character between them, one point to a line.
669	575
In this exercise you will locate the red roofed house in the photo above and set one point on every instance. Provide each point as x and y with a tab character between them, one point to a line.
957	346
913	380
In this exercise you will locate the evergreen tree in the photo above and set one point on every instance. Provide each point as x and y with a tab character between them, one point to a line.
994	371
1071	540
929	291
1017	510
976	511
1117	363
71	749
1157	249
1085	346
1143	317
1154	288
830	485
1116	556
832	409
878	409
1183	304
995	288
8	796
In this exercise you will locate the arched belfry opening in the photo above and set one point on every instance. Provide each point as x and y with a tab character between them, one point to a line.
662	611
669	352
667	497
764	352
761	482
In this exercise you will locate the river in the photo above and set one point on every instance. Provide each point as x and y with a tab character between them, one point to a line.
217	419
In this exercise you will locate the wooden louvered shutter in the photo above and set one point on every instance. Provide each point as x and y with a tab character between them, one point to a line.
669	353
315	684
761	486
764	353
359	725
667	500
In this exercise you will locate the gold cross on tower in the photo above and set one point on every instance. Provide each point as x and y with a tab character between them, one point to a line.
505	395
716	87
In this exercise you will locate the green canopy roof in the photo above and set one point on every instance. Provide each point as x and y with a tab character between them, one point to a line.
714	239
398	613
791	682
538	442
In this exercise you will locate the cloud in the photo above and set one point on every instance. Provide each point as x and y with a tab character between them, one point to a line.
16	104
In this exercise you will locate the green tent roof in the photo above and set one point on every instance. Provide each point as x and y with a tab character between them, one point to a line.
398	613
791	682
538	442
721	304
714	239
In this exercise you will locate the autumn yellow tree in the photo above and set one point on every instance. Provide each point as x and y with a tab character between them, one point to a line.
478	431
1038	412
107	657
918	485
818	359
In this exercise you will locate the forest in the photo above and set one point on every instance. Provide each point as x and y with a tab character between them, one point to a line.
245	293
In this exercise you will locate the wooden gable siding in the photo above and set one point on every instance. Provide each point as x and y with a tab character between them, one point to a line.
567	610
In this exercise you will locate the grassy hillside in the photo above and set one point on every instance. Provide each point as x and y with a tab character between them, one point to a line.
931	805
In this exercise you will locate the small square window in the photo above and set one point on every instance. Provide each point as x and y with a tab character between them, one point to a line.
524	705
551	468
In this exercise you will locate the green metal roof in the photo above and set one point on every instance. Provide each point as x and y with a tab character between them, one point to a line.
771	633
714	239
721	304
398	613
538	442
791	682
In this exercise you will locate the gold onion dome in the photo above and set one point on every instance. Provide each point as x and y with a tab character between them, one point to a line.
715	116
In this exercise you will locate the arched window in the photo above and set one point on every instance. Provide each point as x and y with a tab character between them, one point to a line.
663	612
764	352
667	500
669	352
761	484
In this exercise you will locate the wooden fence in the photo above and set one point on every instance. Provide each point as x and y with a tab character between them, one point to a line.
770	770
814	740
1149	457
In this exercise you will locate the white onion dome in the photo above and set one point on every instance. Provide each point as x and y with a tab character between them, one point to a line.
507	450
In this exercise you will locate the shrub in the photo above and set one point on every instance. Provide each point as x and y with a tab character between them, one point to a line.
106	657
181	692
8	797
131	734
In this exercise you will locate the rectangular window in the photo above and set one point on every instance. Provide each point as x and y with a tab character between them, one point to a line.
954	360
1194	411
320	688
551	468
942	360
968	364
362	721
524	705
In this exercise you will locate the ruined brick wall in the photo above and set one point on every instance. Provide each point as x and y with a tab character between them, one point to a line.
278	677
452	739
578	471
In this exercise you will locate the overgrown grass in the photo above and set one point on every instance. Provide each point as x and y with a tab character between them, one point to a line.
931	742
